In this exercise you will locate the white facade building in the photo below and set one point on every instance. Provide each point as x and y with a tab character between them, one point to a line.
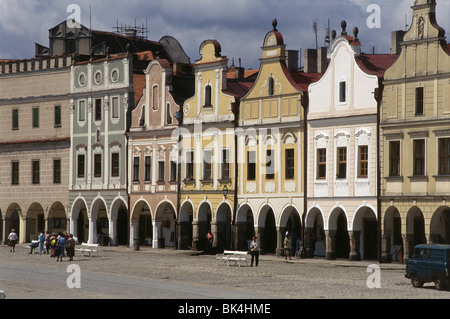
341	220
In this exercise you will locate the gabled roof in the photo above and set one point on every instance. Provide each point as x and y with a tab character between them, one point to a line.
303	80
375	64
238	88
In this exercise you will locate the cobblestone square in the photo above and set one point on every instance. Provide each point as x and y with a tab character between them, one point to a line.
274	278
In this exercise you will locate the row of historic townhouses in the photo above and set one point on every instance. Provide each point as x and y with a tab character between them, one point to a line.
102	92
34	146
208	153
270	153
341	220
415	137
153	155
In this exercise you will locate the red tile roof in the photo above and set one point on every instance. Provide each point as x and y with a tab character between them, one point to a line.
238	88
300	80
375	64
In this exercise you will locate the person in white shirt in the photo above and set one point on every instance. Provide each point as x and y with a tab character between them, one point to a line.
12	238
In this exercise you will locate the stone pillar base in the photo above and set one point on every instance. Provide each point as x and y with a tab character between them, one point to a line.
330	255
354	257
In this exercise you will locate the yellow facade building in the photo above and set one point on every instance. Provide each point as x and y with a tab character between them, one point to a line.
271	149
208	152
415	138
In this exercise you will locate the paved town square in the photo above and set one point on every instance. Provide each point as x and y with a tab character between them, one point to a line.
165	274
118	141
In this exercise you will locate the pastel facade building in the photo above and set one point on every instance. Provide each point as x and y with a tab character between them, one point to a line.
342	156
34	145
271	149
101	99
153	153
415	136
208	153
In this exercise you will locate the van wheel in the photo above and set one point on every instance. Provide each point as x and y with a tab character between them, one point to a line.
439	283
416	282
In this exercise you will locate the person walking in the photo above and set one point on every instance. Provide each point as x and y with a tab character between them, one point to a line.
254	252
287	247
12	240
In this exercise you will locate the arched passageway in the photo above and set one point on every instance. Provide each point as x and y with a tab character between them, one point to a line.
223	225
267	231
184	229
245	225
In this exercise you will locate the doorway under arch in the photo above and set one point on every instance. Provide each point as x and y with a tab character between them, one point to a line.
224	233
165	217
268	236
440	226
12	221
245	224
204	225
186	217
338	223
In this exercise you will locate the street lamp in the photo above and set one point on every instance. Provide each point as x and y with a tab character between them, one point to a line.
225	191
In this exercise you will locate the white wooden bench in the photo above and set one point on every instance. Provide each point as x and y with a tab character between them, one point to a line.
235	256
88	248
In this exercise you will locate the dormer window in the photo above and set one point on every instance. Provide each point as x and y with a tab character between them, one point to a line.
208	95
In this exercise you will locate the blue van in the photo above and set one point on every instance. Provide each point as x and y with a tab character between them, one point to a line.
430	263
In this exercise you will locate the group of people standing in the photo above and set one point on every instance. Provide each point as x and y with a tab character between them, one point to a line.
56	245
59	244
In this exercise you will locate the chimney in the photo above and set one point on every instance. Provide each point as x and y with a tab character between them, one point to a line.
396	39
292	60
310	61
322	61
239	73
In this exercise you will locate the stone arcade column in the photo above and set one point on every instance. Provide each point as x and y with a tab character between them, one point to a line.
134	232
112	231
157	233
308	245
260	239
92	239
4	231
386	248
408	246
195	235
355	241
215	233
183	235
330	250
280	240
73	228
240	234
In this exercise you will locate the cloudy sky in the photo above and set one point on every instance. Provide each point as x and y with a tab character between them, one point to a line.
239	25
